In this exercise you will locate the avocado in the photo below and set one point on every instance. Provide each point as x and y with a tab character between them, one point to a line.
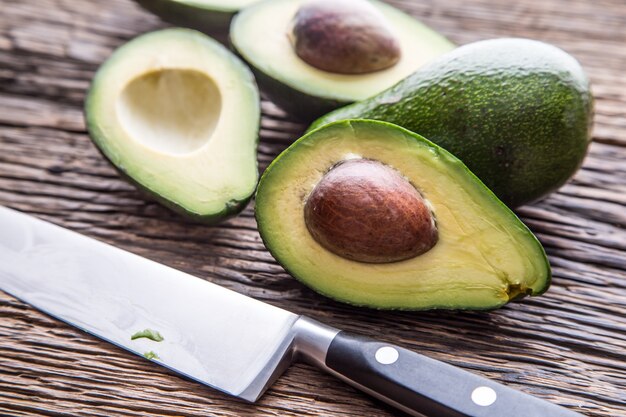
178	114
318	55
372	214
518	112
209	16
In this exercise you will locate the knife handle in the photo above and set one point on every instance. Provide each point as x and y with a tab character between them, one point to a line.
422	386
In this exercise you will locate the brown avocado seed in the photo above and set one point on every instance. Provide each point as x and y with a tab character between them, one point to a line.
366	211
344	36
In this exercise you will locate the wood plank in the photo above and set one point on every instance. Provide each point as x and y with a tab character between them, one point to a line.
568	346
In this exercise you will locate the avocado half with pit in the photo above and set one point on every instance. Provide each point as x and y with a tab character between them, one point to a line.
312	56
371	214
178	114
209	16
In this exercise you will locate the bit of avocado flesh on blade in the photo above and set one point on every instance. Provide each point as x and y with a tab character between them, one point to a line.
150	355
178	114
307	91
153	335
485	256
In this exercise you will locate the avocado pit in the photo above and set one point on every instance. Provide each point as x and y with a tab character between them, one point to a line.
344	36
366	211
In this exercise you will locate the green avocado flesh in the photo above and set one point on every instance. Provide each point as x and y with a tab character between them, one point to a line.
178	114
209	16
151	355
484	257
148	334
518	112
261	35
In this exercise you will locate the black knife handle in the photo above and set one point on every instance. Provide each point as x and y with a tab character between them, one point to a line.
423	386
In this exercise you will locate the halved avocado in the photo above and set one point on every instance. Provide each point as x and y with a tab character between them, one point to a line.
263	34
372	182
178	114
209	16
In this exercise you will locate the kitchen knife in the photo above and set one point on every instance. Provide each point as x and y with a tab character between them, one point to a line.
221	338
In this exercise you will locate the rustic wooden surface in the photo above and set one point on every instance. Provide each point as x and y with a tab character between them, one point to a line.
568	346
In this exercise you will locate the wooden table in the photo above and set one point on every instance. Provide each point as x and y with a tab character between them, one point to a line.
568	346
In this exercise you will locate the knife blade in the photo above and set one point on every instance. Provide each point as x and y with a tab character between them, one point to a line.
221	338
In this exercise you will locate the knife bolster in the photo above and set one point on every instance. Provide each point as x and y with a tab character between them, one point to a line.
312	340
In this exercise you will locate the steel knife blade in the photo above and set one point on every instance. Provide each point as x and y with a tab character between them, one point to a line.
221	338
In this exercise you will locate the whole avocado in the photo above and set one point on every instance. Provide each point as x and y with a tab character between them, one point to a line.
518	112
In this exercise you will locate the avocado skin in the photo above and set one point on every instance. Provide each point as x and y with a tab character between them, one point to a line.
518	112
356	123
302	106
210	21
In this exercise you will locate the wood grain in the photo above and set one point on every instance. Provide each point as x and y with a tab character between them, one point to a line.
568	346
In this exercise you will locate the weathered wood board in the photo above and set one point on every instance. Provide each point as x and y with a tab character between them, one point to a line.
568	346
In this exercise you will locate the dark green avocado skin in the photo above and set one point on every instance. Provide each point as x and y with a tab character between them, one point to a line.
302	106
212	22
517	112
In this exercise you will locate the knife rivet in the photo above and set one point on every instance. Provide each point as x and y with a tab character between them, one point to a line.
484	396
387	355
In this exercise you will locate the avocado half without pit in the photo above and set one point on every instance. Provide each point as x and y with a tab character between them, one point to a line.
178	114
371	214
312	56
